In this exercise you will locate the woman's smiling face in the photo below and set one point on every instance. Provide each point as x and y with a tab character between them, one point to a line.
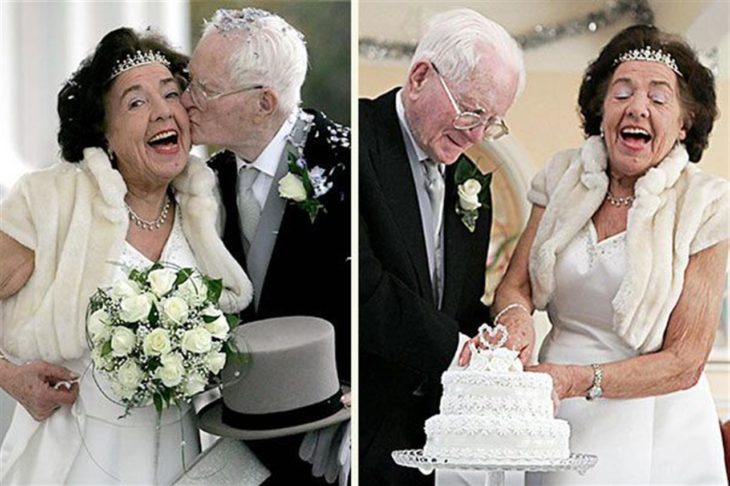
146	126
642	116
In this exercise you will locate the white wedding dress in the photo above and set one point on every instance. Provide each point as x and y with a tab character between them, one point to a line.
668	439
87	443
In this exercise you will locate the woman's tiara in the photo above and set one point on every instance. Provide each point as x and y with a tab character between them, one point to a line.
649	54
139	58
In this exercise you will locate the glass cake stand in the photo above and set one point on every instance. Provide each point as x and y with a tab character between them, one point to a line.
495	468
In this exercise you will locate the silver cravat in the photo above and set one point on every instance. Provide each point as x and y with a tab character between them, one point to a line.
249	209
436	190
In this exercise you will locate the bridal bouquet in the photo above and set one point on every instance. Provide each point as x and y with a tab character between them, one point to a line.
159	336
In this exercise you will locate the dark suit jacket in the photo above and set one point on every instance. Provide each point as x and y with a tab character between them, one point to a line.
405	341
309	271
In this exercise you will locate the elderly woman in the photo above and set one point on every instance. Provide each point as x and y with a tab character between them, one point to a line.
626	247
126	196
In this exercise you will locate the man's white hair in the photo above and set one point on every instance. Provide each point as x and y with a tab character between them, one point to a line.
455	42
266	50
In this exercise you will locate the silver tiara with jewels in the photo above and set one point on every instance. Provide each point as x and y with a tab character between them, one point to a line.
649	54
139	58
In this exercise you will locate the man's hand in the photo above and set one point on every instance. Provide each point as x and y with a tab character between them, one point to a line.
40	387
521	337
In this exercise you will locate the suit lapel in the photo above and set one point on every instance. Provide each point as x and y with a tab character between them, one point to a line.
262	247
455	246
394	173
224	164
259	256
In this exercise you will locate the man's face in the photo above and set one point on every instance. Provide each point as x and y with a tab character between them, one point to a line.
224	119
490	89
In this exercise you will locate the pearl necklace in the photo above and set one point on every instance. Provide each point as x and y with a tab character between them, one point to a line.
619	201
150	225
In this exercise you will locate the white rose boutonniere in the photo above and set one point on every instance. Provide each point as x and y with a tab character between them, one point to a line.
304	186
469	195
473	191
292	187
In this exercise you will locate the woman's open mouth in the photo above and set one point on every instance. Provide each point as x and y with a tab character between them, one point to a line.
165	142
635	138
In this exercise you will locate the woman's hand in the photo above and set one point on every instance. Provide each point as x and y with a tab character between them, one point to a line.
521	336
32	385
568	380
521	333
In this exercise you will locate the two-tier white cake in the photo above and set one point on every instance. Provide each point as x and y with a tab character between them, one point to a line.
493	410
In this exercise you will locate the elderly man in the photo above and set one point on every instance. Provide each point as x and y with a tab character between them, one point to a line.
284	182
425	217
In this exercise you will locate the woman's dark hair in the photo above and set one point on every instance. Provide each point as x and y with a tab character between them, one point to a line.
81	99
696	85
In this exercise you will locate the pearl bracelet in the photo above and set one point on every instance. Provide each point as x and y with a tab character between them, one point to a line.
509	307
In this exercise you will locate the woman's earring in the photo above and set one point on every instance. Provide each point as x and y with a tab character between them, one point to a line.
603	134
111	155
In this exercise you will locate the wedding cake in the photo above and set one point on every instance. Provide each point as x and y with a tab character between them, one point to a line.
492	410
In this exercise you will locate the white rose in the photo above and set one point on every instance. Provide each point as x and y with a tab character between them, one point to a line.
157	342
508	356
193	290
292	187
215	362
218	328
175	309
123	340
99	326
161	281
122	392
172	370
195	384
135	308
469	194
129	375
499	364
125	288
197	340
100	362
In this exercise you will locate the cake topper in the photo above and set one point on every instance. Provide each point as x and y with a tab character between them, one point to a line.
493	356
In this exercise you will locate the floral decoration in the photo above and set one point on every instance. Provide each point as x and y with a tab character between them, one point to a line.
473	191
159	336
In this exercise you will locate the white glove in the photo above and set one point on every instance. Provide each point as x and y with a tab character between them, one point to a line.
328	450
344	456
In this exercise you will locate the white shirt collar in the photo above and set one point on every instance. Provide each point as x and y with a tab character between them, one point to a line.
268	160
401	111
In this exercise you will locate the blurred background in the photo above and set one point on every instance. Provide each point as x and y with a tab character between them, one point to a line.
559	39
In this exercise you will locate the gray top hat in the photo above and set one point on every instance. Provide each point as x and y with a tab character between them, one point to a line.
290	386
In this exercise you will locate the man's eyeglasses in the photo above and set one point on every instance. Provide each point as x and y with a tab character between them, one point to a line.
202	95
494	127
